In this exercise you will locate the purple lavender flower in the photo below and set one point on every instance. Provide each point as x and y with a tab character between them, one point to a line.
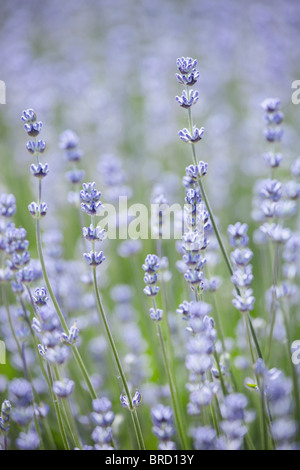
93	234
68	140
162	417
102	435
295	168
94	258
36	147
33	129
40	296
72	337
271	189
136	400
5	416
63	389
90	198
75	176
186	65
238	234
276	232
244	303
40	170
38	211
186	101
28	441
156	314
188	72
194	172
7	205
273	160
241	257
271	104
204	438
186	136
151	264
28	116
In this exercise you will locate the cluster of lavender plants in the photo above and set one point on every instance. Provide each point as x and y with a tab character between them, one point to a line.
121	343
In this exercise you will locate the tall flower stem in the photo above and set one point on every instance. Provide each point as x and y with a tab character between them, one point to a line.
68	414
58	413
174	395
102	318
265	419
23	359
292	366
76	353
216	230
273	301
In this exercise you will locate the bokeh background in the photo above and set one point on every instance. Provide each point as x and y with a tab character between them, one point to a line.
106	69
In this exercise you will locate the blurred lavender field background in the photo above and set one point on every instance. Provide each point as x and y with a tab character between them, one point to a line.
106	70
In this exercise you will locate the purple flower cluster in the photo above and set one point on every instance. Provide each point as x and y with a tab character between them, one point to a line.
103	417
163	427
90	204
242	272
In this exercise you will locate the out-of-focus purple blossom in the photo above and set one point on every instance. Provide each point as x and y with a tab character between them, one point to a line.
276	232
7	205
28	441
271	189
271	104
20	392
204	438
63	389
272	160
162	418
102	435
241	257
295	168
238	234
244	303
129	248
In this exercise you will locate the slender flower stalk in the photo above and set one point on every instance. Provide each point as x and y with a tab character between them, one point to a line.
58	412
188	76
150	267
38	210
90	204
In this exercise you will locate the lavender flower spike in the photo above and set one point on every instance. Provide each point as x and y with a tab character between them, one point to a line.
186	136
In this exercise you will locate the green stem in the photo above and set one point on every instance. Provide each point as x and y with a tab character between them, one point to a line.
76	353
172	390
58	413
68	414
216	230
224	390
294	372
21	351
273	304
103	318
